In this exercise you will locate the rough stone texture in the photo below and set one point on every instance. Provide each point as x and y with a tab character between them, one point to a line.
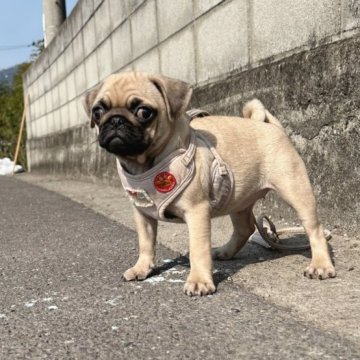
75	18
317	98
121	46
63	92
57	125
71	87
64	119
91	68
97	3
61	71
48	102
53	74
86	158
144	28
80	79
180	13
104	52
65	34
87	9
216	53
69	59
50	122
177	56
201	6
148	62
73	113
132	5
55	96
350	14
118	12
78	49
102	25
89	35
305	23
42	109
47	81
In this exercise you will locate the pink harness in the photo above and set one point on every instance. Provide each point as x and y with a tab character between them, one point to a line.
154	190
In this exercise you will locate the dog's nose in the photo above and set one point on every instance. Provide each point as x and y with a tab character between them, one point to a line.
117	120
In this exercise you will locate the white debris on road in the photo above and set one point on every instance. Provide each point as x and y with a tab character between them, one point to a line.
30	303
7	167
154	279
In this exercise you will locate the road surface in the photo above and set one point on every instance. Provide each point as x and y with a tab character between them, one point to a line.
62	296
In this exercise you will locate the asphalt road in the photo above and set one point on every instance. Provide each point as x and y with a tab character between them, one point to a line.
62	297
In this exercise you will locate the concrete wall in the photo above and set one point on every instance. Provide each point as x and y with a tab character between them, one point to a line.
300	57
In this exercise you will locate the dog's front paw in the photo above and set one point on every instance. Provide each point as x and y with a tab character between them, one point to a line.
137	273
199	287
320	269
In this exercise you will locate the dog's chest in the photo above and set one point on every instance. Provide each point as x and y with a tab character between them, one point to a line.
155	190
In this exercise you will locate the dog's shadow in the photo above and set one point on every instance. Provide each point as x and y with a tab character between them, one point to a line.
251	253
181	260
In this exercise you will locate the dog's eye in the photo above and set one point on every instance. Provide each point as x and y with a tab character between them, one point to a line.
97	113
144	113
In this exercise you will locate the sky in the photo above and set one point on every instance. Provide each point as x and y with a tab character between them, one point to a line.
21	24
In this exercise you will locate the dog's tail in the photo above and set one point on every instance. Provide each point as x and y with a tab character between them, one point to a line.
255	110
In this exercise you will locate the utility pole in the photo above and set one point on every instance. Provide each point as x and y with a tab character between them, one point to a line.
54	14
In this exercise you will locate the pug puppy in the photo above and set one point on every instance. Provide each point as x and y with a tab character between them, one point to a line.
174	170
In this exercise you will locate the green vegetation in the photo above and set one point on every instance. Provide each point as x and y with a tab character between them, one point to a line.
11	109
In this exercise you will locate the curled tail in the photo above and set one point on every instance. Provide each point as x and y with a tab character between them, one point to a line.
255	110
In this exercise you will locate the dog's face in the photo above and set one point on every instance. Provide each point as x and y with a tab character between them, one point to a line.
135	112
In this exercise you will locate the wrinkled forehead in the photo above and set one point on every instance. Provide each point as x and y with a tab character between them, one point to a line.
121	90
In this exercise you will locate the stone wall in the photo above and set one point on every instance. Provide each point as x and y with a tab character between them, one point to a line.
301	58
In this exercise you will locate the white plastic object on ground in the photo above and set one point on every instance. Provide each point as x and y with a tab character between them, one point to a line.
7	166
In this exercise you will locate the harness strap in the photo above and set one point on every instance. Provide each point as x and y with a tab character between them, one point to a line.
190	152
220	161
194	113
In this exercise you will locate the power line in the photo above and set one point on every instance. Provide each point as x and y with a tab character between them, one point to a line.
14	47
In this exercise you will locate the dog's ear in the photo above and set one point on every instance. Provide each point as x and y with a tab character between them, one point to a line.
176	94
88	101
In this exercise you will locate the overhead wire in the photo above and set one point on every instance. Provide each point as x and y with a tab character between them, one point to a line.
14	47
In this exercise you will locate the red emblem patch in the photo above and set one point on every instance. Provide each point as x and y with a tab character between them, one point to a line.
164	182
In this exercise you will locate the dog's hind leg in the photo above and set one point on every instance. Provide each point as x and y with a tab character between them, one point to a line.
295	188
244	226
